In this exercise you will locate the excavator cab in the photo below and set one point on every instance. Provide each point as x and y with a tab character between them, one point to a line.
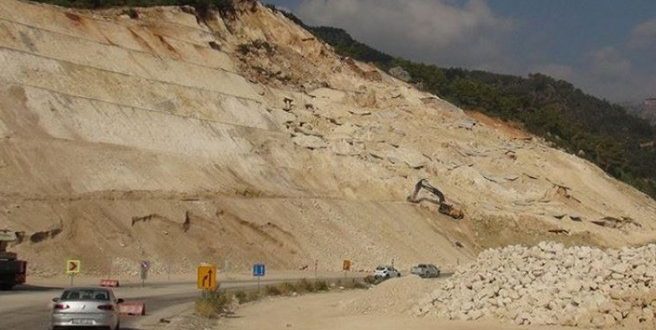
12	270
6	237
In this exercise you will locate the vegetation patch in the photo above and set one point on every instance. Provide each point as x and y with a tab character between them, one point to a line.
132	13
255	47
215	304
203	8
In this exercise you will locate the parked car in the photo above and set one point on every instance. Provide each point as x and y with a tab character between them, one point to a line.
386	272
86	307
426	270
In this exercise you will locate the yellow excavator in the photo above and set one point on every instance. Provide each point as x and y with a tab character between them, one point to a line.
12	270
444	208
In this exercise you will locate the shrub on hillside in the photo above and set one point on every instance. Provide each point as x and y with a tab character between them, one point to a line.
203	7
273	290
306	286
321	286
132	13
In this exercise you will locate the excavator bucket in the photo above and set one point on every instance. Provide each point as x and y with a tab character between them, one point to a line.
451	211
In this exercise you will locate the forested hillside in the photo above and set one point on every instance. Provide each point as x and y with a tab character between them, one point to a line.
595	129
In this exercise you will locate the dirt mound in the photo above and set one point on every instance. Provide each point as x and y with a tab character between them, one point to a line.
393	295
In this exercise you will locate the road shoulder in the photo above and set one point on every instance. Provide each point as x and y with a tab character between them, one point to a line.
329	311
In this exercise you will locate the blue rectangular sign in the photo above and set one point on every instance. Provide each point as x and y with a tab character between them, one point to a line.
259	270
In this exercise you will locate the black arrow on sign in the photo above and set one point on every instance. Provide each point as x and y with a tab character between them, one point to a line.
207	277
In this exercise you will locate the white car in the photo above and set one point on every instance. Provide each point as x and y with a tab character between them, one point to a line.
425	270
386	272
86	307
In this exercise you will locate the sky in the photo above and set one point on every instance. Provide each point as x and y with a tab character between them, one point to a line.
605	47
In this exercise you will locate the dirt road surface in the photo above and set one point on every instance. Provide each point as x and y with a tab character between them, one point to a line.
328	312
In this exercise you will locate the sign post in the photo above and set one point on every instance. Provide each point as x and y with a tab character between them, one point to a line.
72	268
259	270
144	266
206	277
346	266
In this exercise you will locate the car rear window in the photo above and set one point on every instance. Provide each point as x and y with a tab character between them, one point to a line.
85	294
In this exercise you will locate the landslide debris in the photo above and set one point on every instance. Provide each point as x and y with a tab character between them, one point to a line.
549	284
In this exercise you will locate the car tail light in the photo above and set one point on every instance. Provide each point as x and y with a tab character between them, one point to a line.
62	306
106	307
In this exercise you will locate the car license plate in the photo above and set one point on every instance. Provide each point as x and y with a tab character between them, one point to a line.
82	322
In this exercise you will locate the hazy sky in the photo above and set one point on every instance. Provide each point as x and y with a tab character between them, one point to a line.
605	47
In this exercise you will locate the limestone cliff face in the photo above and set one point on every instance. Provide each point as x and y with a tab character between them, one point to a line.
244	138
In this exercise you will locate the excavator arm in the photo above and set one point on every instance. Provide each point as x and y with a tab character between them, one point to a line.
423	183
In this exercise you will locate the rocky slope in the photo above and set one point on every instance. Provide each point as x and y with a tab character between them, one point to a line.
243	138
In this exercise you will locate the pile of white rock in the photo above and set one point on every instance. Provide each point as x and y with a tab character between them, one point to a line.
549	284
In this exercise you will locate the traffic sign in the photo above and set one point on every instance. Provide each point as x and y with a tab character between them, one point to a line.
145	264
346	265
72	266
259	270
207	277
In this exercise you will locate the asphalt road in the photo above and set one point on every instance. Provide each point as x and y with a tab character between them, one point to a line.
28	307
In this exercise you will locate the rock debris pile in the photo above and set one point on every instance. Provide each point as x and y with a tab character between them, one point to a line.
549	284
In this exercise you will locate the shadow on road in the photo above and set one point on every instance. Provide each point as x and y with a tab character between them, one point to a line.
36	288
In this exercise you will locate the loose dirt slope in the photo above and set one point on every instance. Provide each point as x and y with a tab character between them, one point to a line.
244	138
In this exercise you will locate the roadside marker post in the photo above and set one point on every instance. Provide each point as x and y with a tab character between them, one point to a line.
346	266
144	266
316	268
72	268
109	281
259	270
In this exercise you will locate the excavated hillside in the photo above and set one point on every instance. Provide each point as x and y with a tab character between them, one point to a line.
243	138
